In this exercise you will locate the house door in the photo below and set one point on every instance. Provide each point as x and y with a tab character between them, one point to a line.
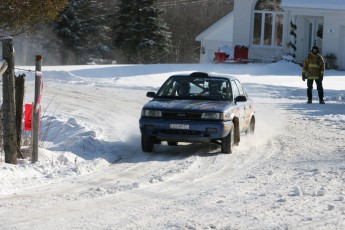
314	34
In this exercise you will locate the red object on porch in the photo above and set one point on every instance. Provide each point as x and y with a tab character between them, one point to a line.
241	52
220	56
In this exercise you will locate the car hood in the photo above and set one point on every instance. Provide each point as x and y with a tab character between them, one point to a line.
191	105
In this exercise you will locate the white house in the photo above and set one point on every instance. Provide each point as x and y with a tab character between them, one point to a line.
273	28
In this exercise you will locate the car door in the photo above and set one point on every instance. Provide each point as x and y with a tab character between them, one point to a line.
246	106
241	105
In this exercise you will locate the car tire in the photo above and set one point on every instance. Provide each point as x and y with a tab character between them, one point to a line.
228	142
172	143
147	143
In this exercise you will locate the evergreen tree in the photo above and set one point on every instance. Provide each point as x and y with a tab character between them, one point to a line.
84	32
140	33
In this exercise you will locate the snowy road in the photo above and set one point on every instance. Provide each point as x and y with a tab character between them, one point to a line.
289	175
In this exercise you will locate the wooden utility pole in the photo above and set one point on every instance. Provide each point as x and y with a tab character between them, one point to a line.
9	105
37	109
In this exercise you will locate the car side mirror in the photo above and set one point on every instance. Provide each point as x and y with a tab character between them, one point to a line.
241	99
150	94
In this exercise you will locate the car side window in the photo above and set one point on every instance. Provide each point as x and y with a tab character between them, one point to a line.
167	89
241	89
235	90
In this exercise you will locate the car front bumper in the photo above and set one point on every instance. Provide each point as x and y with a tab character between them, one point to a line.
184	130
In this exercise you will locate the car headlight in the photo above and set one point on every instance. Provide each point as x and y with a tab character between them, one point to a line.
212	116
151	113
215	116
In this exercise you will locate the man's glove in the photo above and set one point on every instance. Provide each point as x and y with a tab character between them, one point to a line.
303	76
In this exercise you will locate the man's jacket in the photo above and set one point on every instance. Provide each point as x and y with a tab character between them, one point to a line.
313	66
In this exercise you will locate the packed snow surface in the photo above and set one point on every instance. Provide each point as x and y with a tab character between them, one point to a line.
92	174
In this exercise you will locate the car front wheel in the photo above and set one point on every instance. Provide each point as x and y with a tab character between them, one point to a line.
146	143
228	142
252	126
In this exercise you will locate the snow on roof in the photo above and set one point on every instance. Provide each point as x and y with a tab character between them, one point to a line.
314	4
217	29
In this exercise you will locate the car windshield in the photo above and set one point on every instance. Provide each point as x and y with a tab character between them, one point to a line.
200	88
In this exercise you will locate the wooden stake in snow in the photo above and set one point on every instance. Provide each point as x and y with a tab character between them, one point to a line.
9	106
37	109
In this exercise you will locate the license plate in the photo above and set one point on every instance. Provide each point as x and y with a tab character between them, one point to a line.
179	126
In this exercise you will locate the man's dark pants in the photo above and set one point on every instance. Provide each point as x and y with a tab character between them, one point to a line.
310	89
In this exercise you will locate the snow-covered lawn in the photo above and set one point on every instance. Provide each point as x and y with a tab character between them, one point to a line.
92	174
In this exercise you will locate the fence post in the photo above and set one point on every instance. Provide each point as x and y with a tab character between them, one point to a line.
9	106
19	94
36	109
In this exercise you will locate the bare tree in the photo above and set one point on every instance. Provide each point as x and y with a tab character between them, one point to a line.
18	15
187	19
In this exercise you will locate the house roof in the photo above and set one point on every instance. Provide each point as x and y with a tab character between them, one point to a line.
222	30
314	4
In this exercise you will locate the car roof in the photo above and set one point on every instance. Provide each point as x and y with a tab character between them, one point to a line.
205	75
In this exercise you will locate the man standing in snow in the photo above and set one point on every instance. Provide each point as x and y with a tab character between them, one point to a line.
313	69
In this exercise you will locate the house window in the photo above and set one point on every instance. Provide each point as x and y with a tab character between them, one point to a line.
268	23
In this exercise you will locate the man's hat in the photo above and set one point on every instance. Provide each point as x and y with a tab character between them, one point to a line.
315	47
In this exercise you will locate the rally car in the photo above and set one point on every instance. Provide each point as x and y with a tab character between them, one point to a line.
197	108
